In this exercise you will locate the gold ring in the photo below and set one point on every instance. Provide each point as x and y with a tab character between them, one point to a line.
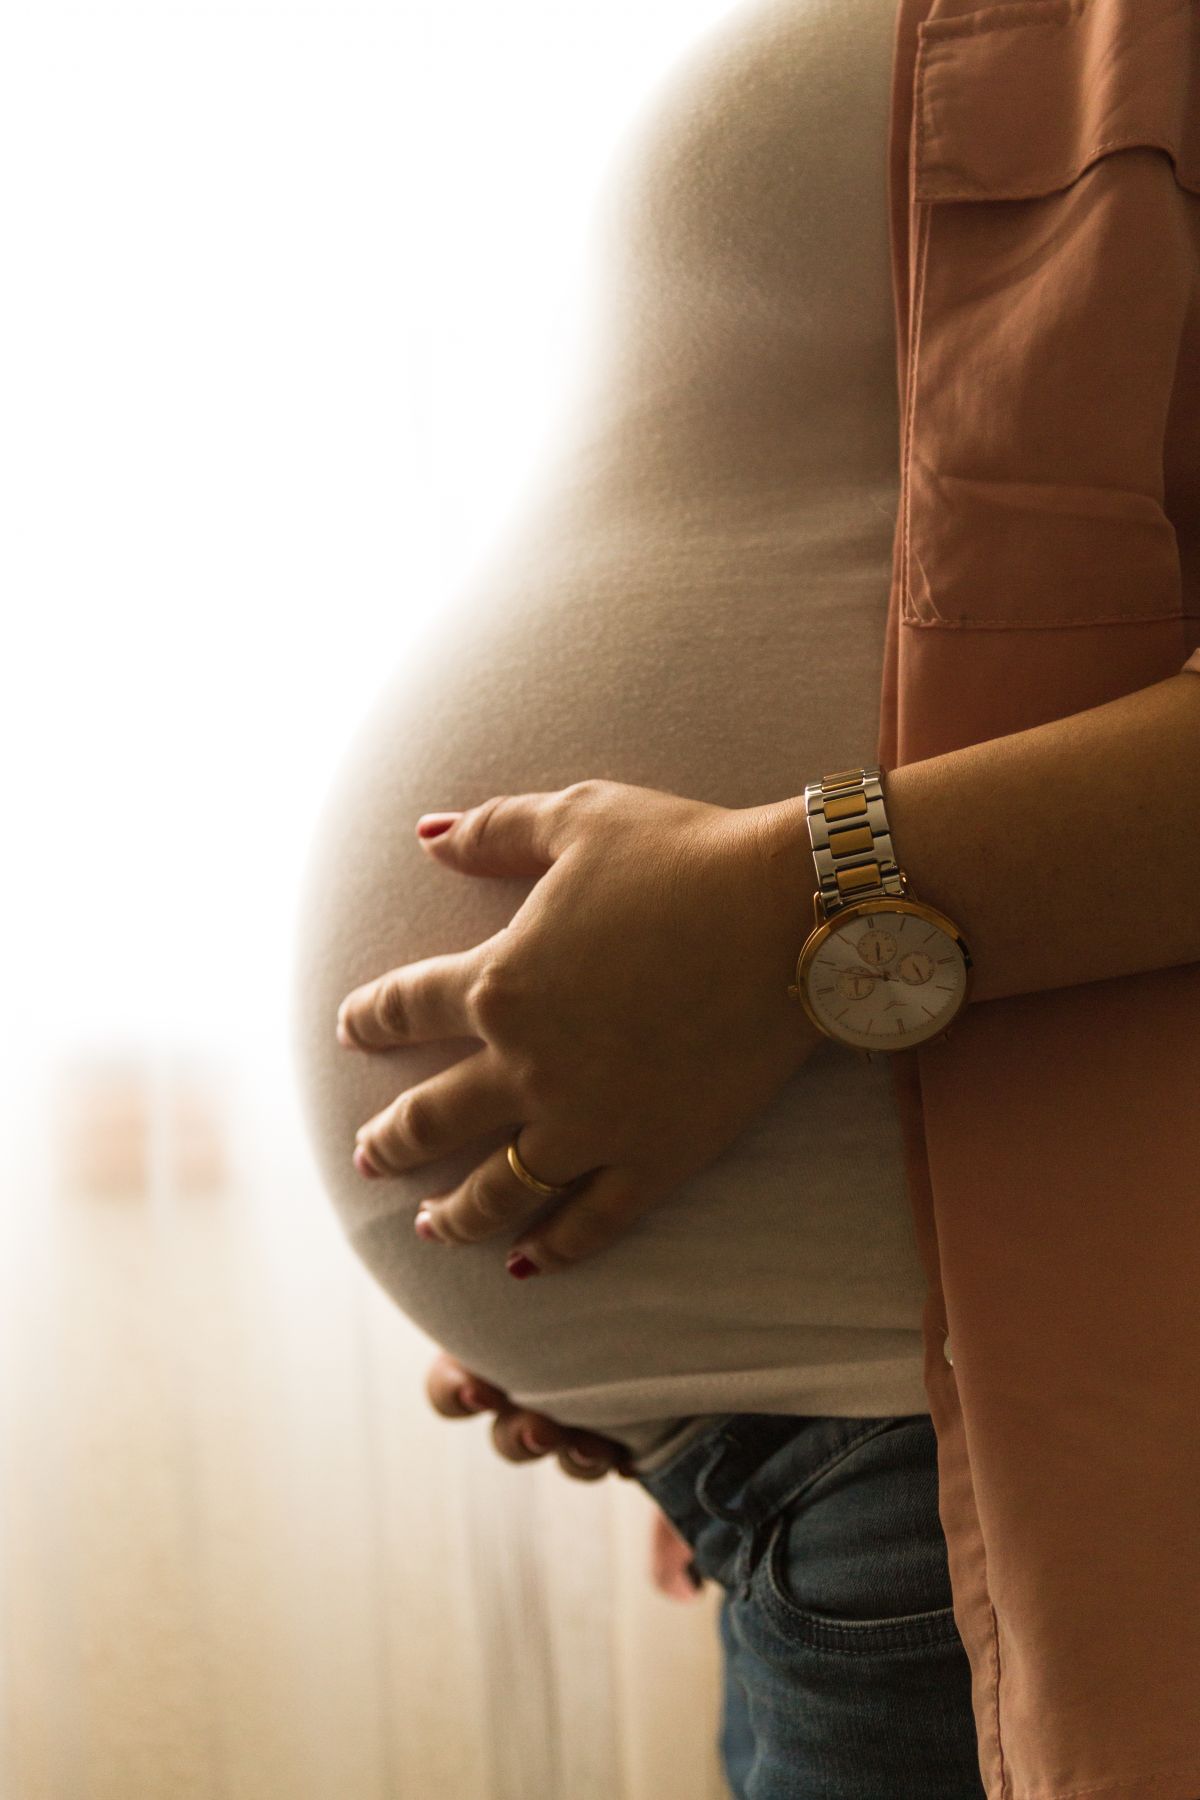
531	1181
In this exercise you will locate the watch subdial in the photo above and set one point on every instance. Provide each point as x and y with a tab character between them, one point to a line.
855	984
876	947
915	967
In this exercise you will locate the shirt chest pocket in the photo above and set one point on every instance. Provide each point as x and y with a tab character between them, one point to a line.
1055	271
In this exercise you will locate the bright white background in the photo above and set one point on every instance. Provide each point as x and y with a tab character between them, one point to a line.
275	276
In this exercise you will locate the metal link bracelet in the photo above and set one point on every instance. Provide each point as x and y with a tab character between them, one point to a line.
851	841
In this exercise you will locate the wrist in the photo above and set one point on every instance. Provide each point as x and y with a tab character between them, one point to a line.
787	852
772	846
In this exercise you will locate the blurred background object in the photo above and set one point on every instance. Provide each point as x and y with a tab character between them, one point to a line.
283	283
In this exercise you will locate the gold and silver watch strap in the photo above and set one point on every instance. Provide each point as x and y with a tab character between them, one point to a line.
851	842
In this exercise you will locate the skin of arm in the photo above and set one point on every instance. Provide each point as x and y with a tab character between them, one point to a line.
1066	853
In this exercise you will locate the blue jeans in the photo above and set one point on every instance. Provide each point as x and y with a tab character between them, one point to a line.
845	1675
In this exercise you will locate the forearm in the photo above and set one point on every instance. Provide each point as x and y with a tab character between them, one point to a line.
1066	853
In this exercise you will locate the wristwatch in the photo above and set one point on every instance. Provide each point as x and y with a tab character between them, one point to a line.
879	971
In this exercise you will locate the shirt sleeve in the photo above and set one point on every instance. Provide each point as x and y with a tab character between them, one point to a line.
1193	662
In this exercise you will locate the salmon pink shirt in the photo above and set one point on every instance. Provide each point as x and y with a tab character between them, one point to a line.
1044	183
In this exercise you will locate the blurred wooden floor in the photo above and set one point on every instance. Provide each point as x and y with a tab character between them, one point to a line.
240	1557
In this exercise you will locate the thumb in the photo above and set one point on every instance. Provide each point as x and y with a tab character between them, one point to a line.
509	834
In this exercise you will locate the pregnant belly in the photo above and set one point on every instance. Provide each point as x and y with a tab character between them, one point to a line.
664	658
697	604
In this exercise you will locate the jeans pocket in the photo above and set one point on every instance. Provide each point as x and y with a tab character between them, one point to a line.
856	1563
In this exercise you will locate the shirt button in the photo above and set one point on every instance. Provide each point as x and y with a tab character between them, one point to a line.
946	1352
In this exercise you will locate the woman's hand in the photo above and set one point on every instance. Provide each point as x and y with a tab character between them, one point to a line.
634	1013
519	1435
522	1436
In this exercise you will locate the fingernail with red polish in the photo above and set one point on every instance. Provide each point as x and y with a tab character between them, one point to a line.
431	825
423	1226
364	1165
521	1266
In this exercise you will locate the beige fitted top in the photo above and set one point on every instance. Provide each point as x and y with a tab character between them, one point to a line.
694	601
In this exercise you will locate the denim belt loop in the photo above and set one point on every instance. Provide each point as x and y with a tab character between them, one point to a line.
730	1515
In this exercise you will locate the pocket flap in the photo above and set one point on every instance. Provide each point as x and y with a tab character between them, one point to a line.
1017	100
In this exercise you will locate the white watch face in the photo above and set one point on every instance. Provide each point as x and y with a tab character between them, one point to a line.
885	980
